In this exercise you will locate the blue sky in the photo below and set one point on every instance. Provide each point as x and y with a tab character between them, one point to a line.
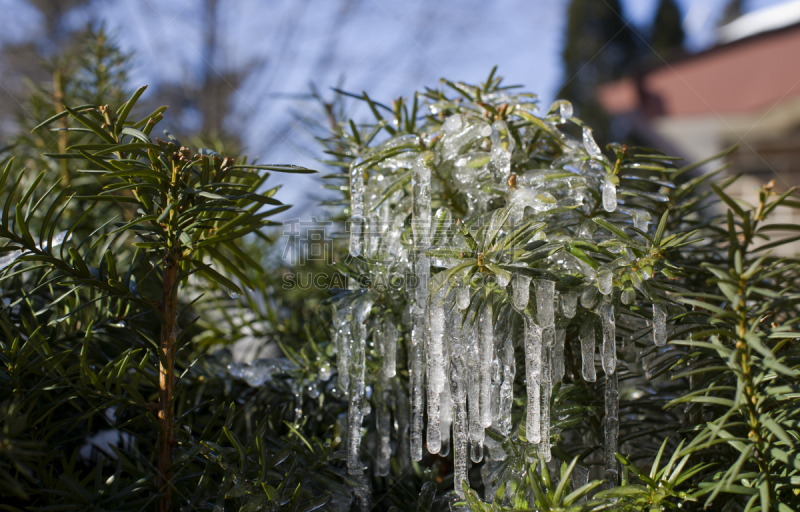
387	47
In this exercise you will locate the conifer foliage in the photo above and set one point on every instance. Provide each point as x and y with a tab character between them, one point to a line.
561	303
106	403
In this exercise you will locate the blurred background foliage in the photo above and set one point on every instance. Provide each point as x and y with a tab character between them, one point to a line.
253	94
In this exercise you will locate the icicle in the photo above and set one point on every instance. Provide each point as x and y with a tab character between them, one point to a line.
606	312
355	413
445	420
520	290
342	327
558	355
476	431
458	380
569	303
434	356
587	350
548	341
590	145
545	297
507	388
605	282
462	296
434	433
416	382
627	296
389	363
420	225
659	324
609	195
533	374
497	382
579	478
421	199
611	430
486	347
383	425
456	140
356	206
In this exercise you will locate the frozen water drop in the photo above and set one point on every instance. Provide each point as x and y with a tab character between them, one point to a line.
324	371
453	123
609	195
565	110
604	282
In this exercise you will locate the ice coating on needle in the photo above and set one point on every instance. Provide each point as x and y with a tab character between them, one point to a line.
468	134
590	145
503	145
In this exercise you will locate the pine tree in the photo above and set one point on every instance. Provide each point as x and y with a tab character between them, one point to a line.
113	288
600	46
667	34
531	259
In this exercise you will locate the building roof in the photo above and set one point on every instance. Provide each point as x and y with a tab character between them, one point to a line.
748	74
762	20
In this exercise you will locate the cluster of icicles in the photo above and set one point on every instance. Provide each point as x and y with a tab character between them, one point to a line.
462	373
